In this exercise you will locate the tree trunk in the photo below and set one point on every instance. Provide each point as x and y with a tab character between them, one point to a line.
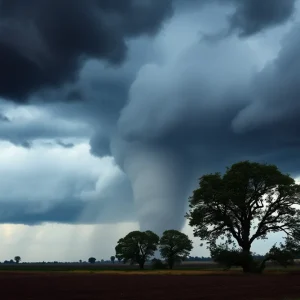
246	260
246	267
141	266
170	263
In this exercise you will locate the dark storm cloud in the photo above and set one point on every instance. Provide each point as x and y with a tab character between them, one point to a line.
276	91
43	43
107	207
249	16
73	212
252	16
208	110
176	127
177	120
272	117
23	132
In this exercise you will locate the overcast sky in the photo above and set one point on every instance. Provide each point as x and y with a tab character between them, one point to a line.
111	110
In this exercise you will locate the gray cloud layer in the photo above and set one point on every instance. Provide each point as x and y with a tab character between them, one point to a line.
165	118
44	43
252	16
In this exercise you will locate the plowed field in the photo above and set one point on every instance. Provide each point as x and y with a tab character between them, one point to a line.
92	286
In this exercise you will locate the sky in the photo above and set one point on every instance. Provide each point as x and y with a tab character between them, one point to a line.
110	111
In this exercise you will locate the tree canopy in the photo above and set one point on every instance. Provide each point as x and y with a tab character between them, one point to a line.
174	246
247	203
137	247
92	260
17	259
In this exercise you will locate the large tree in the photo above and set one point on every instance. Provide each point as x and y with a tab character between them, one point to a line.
137	247
247	203
174	246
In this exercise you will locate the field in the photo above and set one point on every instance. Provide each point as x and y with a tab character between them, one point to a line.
118	281
93	285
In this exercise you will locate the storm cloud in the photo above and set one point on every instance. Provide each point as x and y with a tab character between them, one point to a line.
252	16
167	108
43	43
208	107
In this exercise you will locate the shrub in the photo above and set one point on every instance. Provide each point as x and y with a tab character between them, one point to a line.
158	264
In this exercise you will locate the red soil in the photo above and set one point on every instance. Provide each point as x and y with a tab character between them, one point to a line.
89	286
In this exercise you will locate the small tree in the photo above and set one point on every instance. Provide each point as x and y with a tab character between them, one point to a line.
174	246
112	259
283	255
247	203
137	247
17	259
92	260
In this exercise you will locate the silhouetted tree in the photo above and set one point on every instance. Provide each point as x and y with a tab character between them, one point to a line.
17	259
174	246
92	260
137	247
249	197
112	259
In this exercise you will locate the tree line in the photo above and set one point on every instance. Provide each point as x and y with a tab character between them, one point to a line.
228	213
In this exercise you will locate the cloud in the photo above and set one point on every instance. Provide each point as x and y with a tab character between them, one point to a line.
65	145
182	110
65	185
178	121
179	106
43	43
276	90
29	123
253	16
246	17
3	118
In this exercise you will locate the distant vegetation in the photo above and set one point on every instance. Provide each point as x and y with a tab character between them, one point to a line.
17	259
92	260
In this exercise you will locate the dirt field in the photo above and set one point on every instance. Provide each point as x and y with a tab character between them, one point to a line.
91	286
